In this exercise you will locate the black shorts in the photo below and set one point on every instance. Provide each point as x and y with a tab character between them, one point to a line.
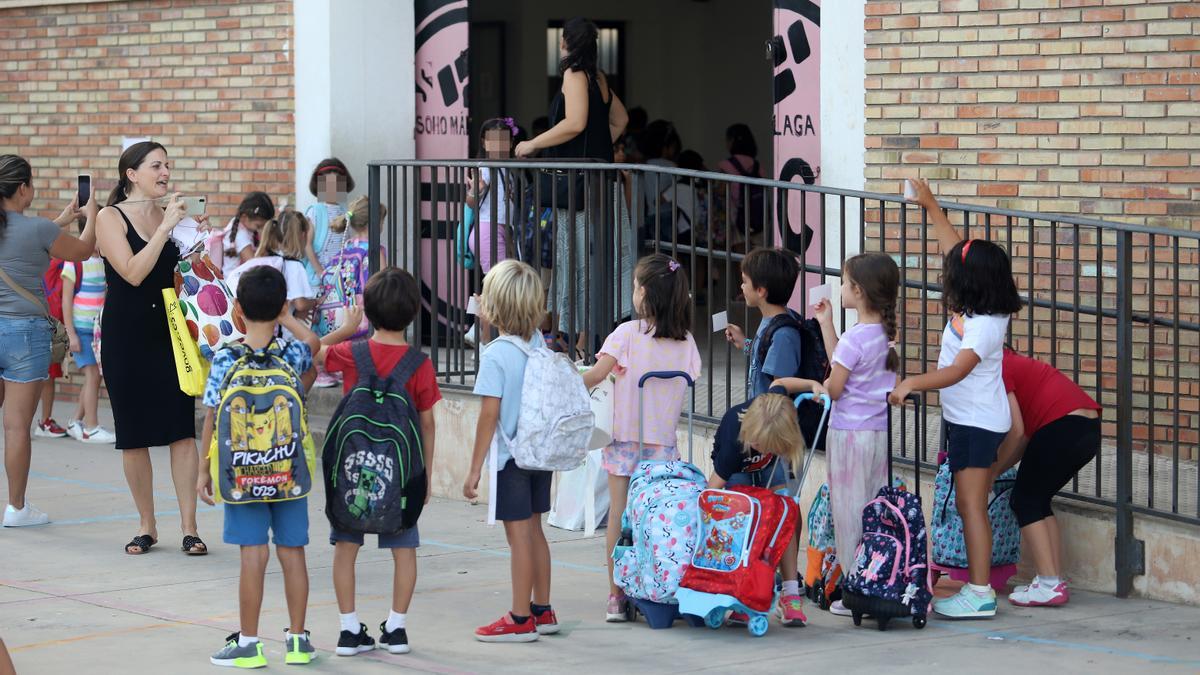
520	493
1055	453
971	447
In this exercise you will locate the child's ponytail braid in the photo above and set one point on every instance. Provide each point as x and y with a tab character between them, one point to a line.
888	317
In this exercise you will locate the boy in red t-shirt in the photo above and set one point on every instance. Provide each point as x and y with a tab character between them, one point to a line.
391	299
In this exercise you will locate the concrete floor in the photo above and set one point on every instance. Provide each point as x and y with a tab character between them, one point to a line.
71	601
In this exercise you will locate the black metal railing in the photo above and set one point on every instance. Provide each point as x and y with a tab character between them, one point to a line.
1116	306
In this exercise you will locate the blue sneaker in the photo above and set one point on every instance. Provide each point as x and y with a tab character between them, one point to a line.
967	604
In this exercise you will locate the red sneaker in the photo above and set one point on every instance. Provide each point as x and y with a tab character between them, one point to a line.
48	428
505	629
546	622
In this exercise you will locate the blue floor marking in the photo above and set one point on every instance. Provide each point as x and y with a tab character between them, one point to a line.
101	487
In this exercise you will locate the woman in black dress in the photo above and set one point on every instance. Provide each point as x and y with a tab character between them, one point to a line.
587	117
139	366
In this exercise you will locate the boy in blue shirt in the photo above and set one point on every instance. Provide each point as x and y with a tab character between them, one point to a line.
768	279
262	298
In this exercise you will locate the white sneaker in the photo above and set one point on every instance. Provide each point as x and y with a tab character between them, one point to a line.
30	515
75	430
838	608
97	435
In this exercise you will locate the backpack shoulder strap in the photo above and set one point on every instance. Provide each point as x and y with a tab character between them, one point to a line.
363	363
741	169
412	359
777	323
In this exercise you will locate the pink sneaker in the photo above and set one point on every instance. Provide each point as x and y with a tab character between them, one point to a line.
1037	595
615	611
791	611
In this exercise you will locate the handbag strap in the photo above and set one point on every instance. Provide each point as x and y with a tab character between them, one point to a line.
24	292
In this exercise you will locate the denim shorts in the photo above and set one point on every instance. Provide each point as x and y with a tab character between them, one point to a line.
971	447
248	524
85	356
24	349
409	538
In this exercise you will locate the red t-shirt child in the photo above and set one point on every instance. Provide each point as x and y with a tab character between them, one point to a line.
422	386
1044	394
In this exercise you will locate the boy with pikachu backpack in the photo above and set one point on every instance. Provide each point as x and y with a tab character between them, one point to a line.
260	459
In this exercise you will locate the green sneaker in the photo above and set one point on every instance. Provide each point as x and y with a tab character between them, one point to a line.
967	604
299	650
233	656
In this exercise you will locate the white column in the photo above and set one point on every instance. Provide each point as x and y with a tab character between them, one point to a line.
354	85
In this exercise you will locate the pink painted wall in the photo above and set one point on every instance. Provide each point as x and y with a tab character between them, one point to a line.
797	139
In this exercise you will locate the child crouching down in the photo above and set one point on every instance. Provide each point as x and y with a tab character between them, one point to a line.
757	444
513	301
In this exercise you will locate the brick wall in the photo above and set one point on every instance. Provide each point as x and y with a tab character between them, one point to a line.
1079	107
1065	106
212	80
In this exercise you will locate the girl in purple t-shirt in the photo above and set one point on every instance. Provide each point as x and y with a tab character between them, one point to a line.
864	371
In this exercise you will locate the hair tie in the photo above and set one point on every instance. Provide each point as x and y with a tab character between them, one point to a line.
672	265
891	344
512	126
349	216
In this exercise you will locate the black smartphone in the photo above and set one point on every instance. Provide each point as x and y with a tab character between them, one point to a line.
84	190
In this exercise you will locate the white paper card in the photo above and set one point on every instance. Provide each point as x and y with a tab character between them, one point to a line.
472	306
128	141
720	321
910	190
818	293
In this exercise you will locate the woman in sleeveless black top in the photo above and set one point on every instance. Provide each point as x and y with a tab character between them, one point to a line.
139	365
586	118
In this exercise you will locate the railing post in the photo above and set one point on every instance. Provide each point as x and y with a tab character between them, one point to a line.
373	225
1129	551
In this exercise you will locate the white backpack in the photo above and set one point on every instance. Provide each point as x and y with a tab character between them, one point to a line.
555	423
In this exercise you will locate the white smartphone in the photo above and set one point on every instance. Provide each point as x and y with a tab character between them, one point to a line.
195	206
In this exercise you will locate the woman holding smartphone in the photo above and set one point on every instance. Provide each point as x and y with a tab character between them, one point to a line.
26	244
149	409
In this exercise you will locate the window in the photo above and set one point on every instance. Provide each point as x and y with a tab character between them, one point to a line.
610	56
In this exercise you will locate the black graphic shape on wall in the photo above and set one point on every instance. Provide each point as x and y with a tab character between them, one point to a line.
785	85
792	168
798	39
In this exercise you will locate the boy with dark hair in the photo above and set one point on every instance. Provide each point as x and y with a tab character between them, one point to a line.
262	299
391	300
768	279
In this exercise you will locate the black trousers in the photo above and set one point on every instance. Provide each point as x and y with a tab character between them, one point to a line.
1054	455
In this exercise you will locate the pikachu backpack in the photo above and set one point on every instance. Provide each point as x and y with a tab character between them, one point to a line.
261	451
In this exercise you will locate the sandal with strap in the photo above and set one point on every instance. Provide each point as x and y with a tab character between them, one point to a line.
140	544
190	544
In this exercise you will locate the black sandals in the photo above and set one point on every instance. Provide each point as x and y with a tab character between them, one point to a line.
193	545
140	544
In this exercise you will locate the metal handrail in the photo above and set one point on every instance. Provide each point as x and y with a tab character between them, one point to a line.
786	185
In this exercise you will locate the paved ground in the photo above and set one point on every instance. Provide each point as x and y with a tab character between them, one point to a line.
71	601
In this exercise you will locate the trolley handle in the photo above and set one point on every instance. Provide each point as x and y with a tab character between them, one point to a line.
666	375
918	438
826	403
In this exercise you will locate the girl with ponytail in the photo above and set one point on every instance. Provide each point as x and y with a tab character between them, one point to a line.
865	364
